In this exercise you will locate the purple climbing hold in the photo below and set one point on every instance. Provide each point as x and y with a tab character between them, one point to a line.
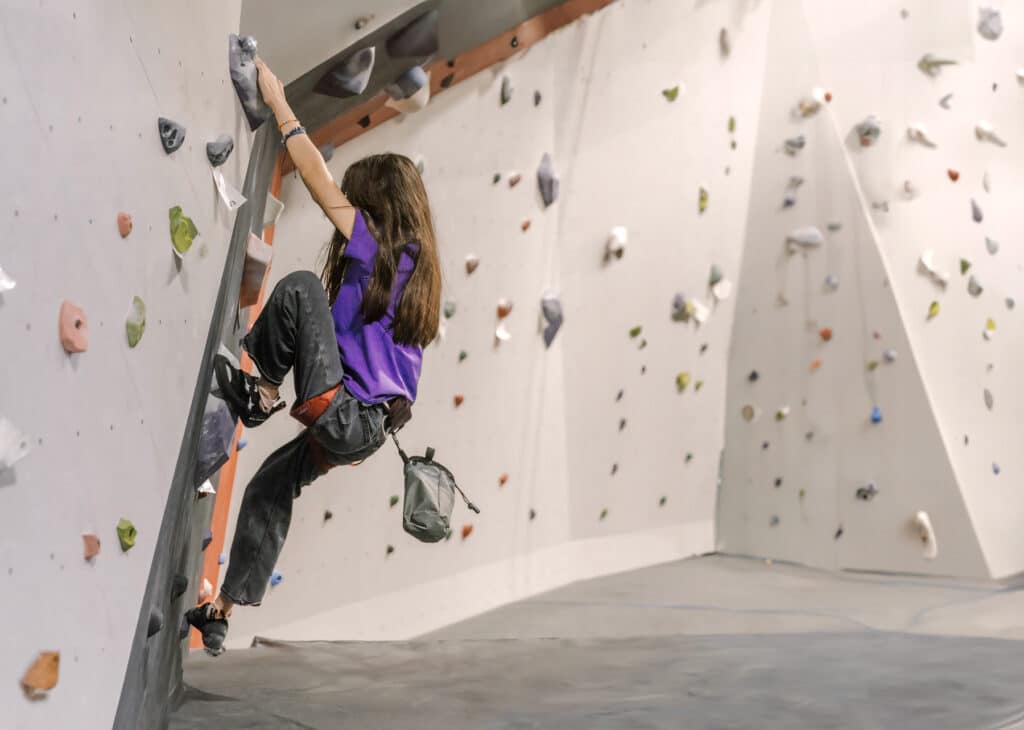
348	77
418	38
242	67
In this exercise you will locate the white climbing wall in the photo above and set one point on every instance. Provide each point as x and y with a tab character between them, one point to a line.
547	418
81	87
938	447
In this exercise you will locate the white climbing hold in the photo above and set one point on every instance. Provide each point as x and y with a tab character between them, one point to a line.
926	265
13	444
919	133
272	211
923	526
6	282
976	215
973	287
832	282
944	101
909	190
206	488
232	198
501	332
985	132
414	102
206	592
889	356
991	245
806	237
721	290
615	245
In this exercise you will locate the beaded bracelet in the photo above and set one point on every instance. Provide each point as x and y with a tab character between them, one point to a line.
291	133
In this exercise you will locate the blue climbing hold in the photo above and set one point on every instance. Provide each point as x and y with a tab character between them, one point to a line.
207	539
995	468
276	578
242	443
876	415
221	559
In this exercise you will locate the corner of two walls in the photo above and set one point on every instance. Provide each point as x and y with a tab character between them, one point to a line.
547	418
82	90
938	448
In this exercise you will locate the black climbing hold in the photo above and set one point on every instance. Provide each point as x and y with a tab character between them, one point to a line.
447	80
764	445
514	42
778	481
839	533
207	539
419	38
218	151
619	395
350	76
643	370
328	515
172	134
178	585
703	348
622	423
156	621
451	63
533	514
365	122
753	377
242	67
615	469
536	98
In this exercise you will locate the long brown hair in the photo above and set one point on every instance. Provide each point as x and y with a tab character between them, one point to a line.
389	191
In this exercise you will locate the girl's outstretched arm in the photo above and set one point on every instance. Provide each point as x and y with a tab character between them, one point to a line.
306	156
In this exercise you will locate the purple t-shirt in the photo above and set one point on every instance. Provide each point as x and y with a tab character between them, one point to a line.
376	368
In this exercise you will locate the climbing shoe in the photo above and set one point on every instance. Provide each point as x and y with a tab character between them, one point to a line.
211	625
241	392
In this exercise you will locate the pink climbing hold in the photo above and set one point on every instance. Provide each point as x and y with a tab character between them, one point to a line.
90	545
74	328
124	224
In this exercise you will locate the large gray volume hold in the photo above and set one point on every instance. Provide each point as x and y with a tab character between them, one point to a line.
350	76
419	38
244	77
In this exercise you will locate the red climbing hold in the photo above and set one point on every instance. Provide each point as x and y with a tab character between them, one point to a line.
124	224
953	175
525	226
74	328
825	333
504	308
502	480
458	399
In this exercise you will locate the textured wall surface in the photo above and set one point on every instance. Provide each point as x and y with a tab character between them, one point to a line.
939	447
548	418
81	90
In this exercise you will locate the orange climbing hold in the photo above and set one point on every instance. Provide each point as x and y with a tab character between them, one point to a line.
825	333
525	226
828	96
514	180
74	328
953	175
124	224
466	531
815	366
90	545
502	480
458	399
41	676
504	308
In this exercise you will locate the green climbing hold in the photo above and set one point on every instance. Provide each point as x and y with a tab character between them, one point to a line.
702	200
732	124
872	365
390	549
126	534
661	502
393	501
682	380
933	310
671	94
463	355
689	456
698	385
964	266
183	231
715	276
634	332
135	322
604	513
803	493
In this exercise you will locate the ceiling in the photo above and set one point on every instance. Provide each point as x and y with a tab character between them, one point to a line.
302	45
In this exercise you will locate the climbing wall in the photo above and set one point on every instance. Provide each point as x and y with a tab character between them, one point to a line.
920	351
81	88
574	479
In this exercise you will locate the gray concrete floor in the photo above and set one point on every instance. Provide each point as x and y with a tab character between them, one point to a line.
712	642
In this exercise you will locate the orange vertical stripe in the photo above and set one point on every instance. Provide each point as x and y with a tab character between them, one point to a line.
226	480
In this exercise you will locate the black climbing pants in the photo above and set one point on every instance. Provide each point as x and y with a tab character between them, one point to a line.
295	331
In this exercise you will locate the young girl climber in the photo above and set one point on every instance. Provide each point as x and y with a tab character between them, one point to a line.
353	339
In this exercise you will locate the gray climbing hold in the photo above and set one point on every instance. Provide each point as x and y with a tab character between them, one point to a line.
242	67
172	134
449	308
868	130
156	621
216	435
547	181
327	151
867	492
551	308
418	38
407	84
991	245
795	144
831	282
506	90
218	151
806	237
932	64
990	23
536	98
973	287
774	521
989	401
976	213
715	275
350	76
1010	303
179	585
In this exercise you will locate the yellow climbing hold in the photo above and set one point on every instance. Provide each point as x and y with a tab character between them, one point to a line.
933	310
702	200
682	380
